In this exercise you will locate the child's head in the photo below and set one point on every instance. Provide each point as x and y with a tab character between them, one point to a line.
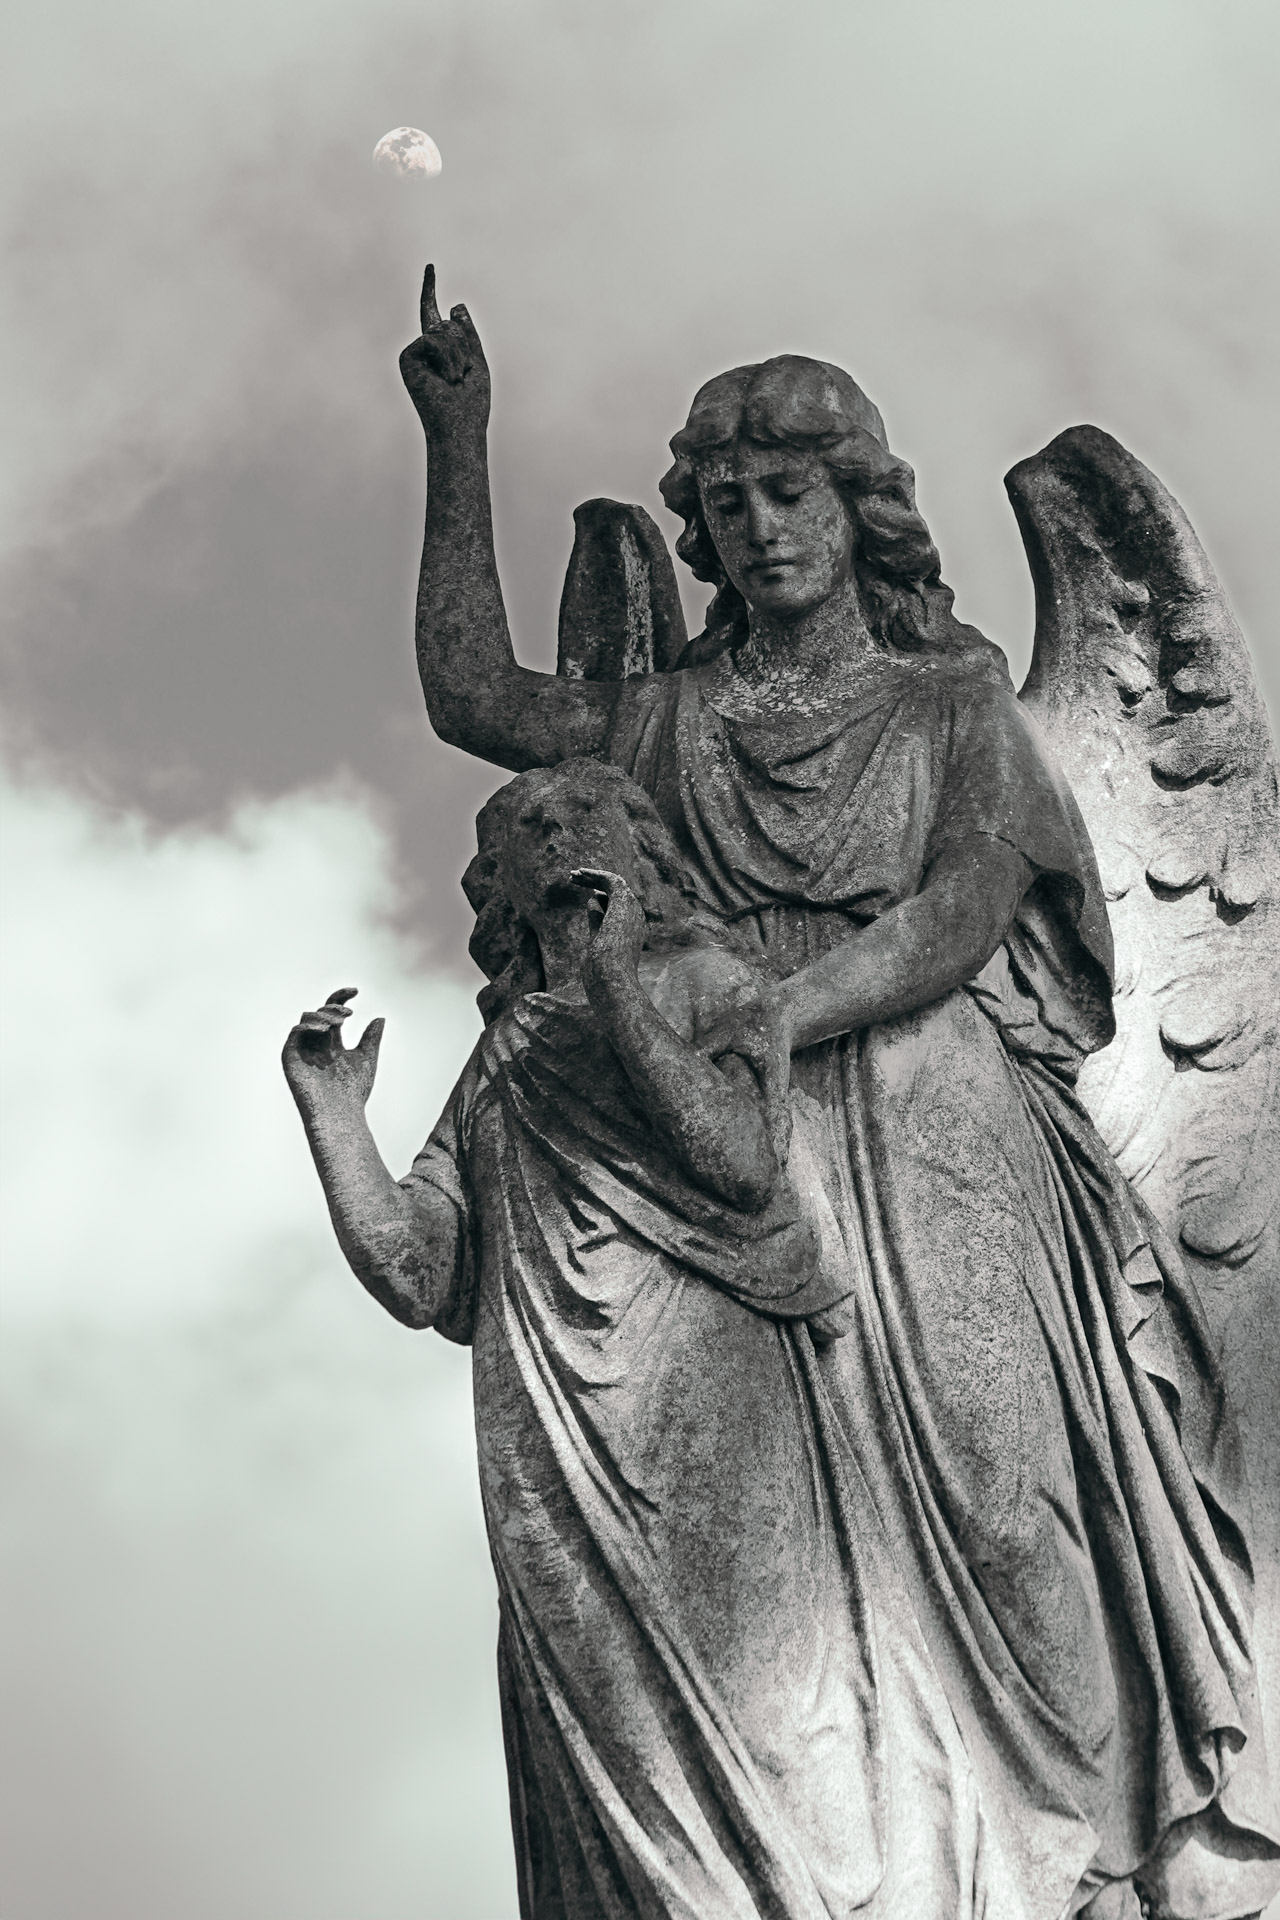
531	836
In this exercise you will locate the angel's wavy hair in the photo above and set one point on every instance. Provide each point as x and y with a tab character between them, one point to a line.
503	944
791	401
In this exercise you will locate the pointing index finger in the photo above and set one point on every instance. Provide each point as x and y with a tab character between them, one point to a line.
430	312
340	994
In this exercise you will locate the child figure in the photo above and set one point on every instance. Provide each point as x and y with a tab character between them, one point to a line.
701	1633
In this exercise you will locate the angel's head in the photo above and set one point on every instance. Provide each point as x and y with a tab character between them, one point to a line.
787	489
533	834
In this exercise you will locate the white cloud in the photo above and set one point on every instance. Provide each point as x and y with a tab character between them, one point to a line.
248	1661
152	1153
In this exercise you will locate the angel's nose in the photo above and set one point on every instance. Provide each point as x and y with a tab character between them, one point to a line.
762	520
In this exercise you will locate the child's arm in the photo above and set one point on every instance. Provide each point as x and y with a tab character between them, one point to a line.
403	1248
713	1118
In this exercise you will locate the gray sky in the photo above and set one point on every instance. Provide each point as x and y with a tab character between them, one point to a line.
254	1674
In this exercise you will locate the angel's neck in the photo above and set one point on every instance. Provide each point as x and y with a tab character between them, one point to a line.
816	653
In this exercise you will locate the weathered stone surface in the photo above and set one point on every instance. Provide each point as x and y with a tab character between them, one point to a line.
864	1492
620	610
1142	680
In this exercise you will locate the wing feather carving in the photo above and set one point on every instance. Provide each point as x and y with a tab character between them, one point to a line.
1143	682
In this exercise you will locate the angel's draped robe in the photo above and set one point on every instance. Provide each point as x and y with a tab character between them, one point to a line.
716	1701
1028	1387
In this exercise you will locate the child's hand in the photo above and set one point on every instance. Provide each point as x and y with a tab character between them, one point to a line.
322	1073
619	937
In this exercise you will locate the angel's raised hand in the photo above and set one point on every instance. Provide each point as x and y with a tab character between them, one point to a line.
445	369
323	1075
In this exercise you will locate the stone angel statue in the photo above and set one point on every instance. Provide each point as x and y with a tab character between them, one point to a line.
1017	960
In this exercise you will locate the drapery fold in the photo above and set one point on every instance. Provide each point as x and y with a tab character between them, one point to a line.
716	1701
1026	1386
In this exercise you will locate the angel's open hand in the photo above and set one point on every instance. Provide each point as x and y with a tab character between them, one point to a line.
619	937
323	1075
445	370
752	1026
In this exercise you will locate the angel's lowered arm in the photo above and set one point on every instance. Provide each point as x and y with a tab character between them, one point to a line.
477	695
915	953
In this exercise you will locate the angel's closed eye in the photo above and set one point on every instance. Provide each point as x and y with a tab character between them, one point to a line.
788	490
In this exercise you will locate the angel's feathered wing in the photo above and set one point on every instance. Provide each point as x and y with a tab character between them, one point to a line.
1141	678
620	609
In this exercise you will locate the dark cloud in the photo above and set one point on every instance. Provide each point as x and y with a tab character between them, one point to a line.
209	581
247	633
244	625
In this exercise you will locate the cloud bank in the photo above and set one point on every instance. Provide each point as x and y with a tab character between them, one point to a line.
248	1659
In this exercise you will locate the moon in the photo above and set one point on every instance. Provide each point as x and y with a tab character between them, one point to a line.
408	151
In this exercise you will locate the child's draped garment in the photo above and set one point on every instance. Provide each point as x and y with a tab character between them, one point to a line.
716	1701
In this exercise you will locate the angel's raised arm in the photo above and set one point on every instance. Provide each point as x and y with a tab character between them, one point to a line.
477	695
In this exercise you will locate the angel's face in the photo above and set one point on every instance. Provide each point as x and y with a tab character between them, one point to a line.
783	533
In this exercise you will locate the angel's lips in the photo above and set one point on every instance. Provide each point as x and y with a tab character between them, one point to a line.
770	566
